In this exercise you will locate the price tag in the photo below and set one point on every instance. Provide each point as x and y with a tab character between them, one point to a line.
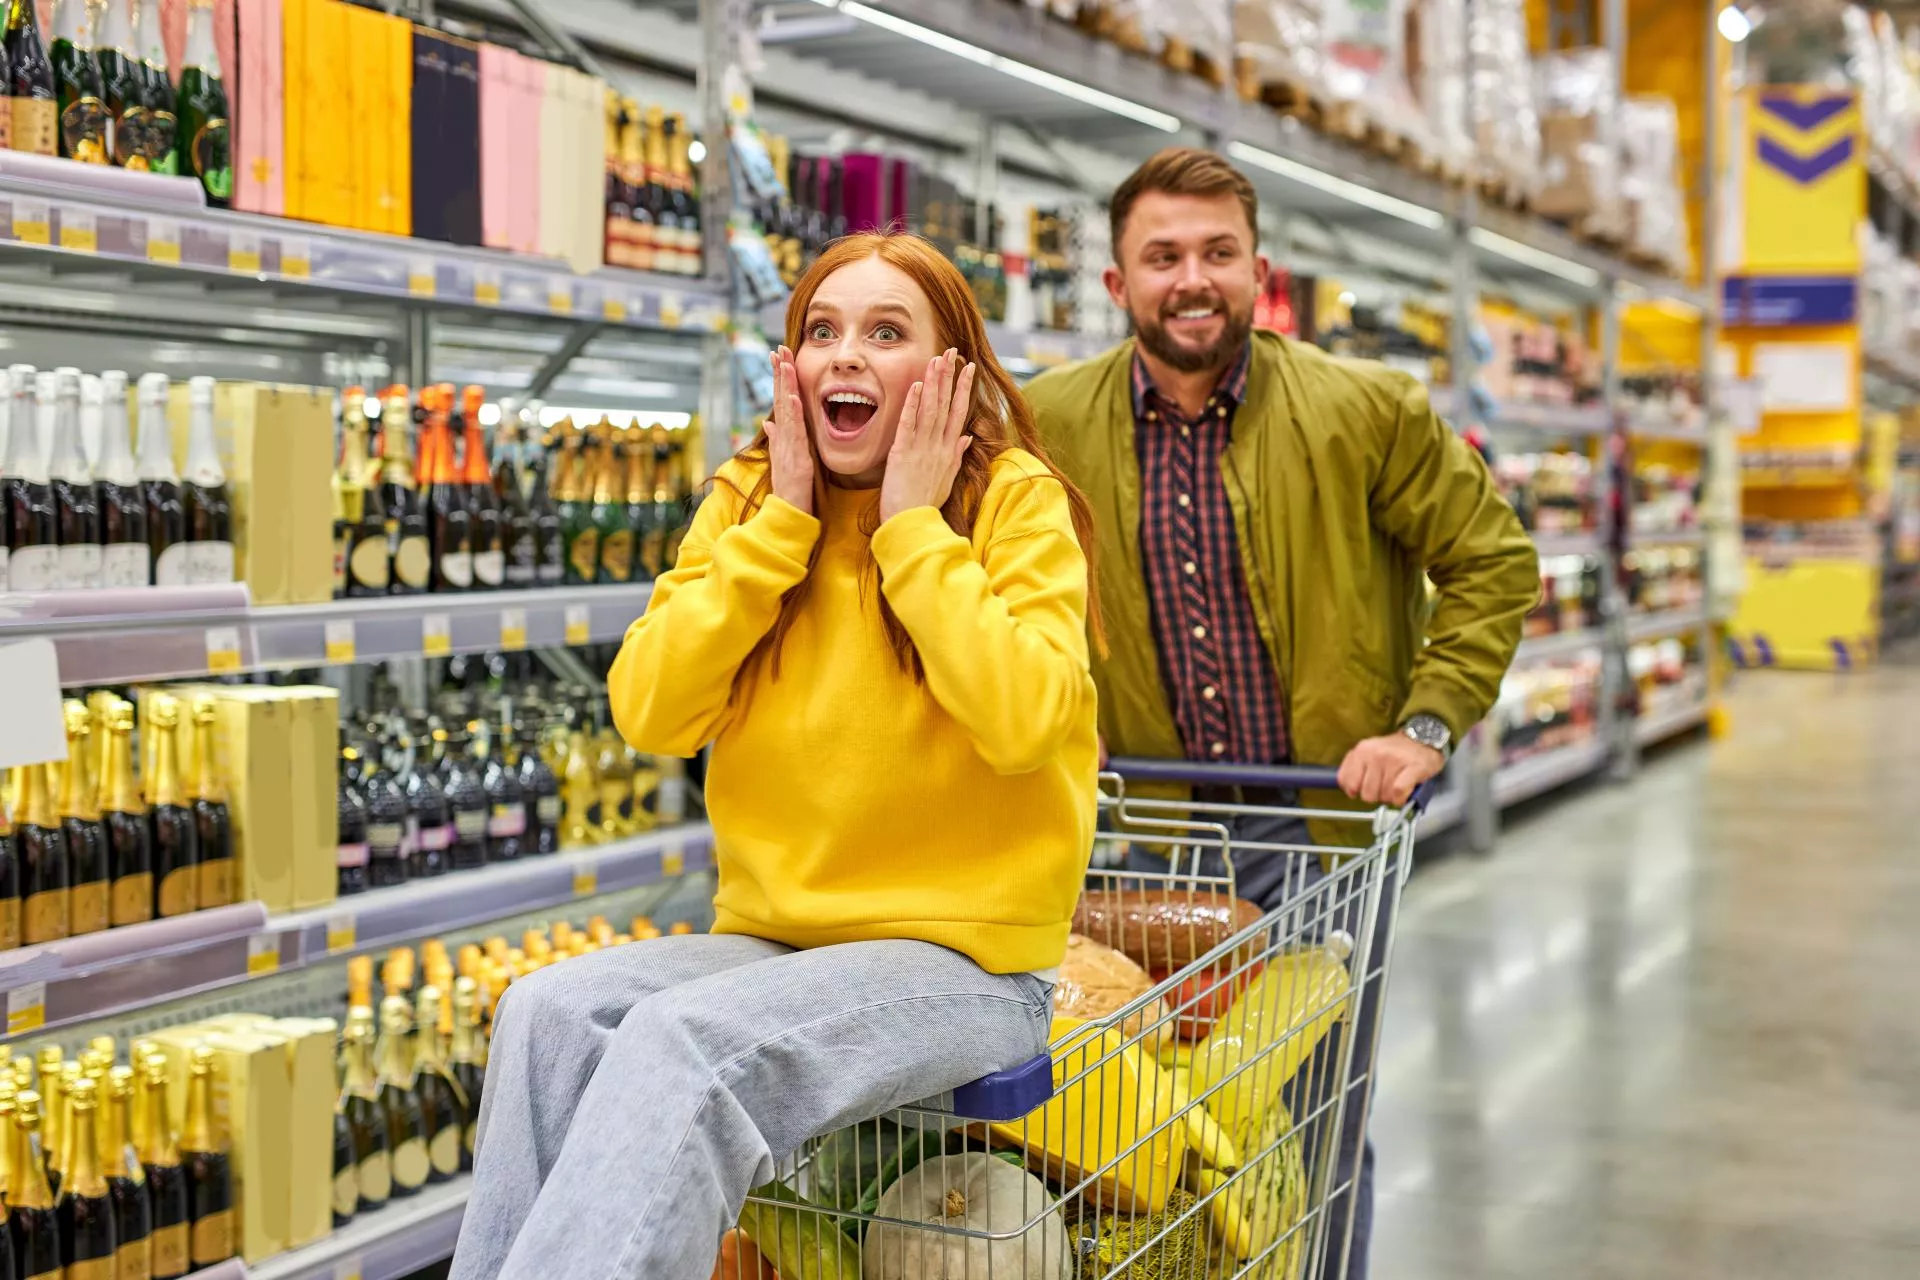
560	299
436	638
223	649
420	278
613	309
579	624
79	232
340	640
296	257
486	286
716	321
263	954
32	224
513	628
163	240
673	862
586	882
347	1269
672	309
342	933
243	252
27	1008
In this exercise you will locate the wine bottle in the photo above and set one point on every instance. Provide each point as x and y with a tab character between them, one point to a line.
89	861
452	514
386	821
608	513
202	111
580	789
616	787
32	1217
467	795
633	177
659	203
124	91
42	850
618	238
353	853
126	1180
76	79
166	1179
176	842
346	1180
408	551
365	563
366	1114
33	520
162	140
209	1169
160	485
36	100
488	525
212	820
443	1103
209	514
129	836
88	1243
465	1060
9	914
576	507
540	788
78	508
506	799
126	560
549	537
518	532
682	195
406	1122
7	1271
429	816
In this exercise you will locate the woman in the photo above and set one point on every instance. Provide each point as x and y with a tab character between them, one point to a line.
879	620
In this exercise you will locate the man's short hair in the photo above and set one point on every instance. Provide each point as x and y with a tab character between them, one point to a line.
1182	171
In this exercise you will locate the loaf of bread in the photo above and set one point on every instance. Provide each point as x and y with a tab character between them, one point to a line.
1095	981
1161	929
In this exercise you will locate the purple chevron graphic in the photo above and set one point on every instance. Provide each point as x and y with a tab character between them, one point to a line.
1805	169
1806	115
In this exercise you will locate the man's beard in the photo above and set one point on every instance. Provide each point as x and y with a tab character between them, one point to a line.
1215	355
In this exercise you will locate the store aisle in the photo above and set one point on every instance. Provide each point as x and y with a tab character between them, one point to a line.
1669	1030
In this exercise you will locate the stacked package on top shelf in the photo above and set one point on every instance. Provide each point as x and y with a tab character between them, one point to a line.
1277	44
1889	89
1656	211
1366	71
1194	35
1580	142
1437	74
1506	120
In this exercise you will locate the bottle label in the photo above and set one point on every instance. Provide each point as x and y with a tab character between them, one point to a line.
434	839
135	1260
375	1180
91	1269
553	562
163	128
384	839
36	126
410	1165
83	130
216	883
133	898
412	562
9	923
353	854
444	1150
210	158
129	138
369	563
88	910
489	568
616	555
410	837
46	916
179	891
125	564
80	566
652	552
548	809
170	1250
346	1193
34	568
213	1238
522	561
583	557
209	562
170	570
507	820
456	567
470	823
6	130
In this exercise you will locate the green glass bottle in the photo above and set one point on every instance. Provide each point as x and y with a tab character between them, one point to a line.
76	78
609	513
35	104
162	147
204	144
124	83
577	530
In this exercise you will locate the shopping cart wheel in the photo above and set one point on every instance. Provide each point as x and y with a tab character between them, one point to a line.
1006	1095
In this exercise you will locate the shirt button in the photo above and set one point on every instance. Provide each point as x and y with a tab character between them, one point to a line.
1190	568
1209	693
1185	432
1152	416
1219	748
1199	633
1185	500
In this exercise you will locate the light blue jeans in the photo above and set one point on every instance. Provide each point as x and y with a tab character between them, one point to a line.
633	1096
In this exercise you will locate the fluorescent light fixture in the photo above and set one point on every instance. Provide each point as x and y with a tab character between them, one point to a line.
1540	260
1006	66
1351	192
1734	24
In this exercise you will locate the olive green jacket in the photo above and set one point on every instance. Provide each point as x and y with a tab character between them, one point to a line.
1345	488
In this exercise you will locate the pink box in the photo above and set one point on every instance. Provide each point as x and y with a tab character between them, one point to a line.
496	167
523	142
260	135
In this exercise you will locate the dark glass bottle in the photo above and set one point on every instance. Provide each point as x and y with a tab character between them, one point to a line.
9	893
446	497
163	128
41	847
353	853
360	535
487	522
76	81
166	1180
209	514
467	1059
209	1168
386	821
32	1216
366	1114
429	816
36	101
212	820
549	536
74	499
124	810
540	787
506	800
88	1244
125	558
681	196
467	794
33	519
160	485
89	870
400	1098
346	1179
123	84
176	843
408	551
204	149
575	507
608	513
443	1104
126	1180
518	530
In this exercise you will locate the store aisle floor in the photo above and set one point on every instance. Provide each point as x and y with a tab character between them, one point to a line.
1670	1029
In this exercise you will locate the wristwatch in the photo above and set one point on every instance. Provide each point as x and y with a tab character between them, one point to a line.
1430	731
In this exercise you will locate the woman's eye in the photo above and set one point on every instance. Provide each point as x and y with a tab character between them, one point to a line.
887	333
820	332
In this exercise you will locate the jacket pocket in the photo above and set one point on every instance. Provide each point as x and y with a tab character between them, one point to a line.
1380	694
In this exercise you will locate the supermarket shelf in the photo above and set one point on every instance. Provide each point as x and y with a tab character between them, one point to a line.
1694	537
1586	543
155	227
1651	428
1559	644
1661	725
391	1242
109	973
1539	774
1035	350
1554	419
1798	477
1667	622
162	633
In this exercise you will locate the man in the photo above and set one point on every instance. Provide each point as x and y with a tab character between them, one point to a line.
1266	514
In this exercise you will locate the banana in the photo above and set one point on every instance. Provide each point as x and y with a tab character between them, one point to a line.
1227	1213
1204	1133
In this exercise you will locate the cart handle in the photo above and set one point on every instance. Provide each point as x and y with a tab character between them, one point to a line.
1293	777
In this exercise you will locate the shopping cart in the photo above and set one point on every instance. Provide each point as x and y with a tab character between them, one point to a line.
1186	1134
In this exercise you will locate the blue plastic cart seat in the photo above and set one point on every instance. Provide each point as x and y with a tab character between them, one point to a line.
1006	1095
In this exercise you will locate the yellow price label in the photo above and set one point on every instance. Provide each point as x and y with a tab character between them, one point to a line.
296	257
420	278
560	300
348	1270
26	1008
342	933
672	310
223	649
513	628
263	954
436	639
486	287
79	232
340	648
586	882
579	624
243	253
32	223
163	240
673	863
614	310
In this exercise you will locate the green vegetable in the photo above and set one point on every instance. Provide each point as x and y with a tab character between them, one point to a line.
799	1236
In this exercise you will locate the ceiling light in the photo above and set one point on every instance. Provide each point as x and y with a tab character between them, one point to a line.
1006	66
1528	256
1734	23
1351	192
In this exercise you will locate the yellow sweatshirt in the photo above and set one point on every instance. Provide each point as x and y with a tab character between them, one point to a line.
848	802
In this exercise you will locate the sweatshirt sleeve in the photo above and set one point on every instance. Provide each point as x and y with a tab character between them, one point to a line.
1002	634
672	682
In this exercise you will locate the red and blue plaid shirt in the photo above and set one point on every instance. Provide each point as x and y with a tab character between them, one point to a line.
1224	690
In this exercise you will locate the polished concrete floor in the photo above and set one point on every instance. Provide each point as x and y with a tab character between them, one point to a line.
1672	1028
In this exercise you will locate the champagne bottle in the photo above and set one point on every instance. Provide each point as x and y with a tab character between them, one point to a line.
9	906
540	788
549	536
212	820
633	176
77	87
88	1244
33	519
366	1114
42	849
467	795
407	534
361	561
32	1217
209	1169
580	824
36	101
129	835
400	1099
682	196
176	842
429	816
126	1180
124	90
78	519
443	1103
485	516
608	513
7	1271
506	799
125	558
637	455
452	517
209	514
386	821
466	1064
202	112
166	1179
617	240
616	787
353	853
576	507
518	531
346	1179
160	485
654	196
89	861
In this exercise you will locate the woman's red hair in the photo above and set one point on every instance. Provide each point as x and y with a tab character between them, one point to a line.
1000	420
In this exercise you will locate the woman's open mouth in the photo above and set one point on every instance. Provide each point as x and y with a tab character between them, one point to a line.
848	412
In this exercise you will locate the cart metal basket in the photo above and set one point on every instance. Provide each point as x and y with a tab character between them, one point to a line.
1186	1134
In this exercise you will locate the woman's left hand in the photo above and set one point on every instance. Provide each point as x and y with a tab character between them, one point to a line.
928	446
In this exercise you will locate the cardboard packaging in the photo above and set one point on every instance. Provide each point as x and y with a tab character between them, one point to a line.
296	88
252	1078
253	745
309	1050
497	101
446	138
527	79
315	771
396	187
552	157
259	90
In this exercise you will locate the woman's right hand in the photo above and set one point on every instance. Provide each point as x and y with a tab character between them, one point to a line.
789	453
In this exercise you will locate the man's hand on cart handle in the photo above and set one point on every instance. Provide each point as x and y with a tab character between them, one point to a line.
1385	770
